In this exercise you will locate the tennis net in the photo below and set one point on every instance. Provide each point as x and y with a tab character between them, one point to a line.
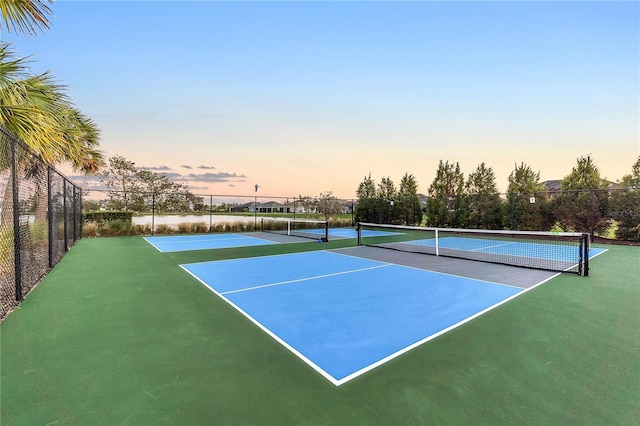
305	228
553	251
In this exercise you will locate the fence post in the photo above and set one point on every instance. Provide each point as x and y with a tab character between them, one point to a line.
65	215
210	213
17	258
50	216
587	243
79	214
153	212
352	213
75	235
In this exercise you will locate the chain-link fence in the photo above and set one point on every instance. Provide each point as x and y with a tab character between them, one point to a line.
610	213
161	213
40	219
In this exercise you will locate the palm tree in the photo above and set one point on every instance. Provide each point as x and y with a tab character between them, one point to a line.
25	16
36	109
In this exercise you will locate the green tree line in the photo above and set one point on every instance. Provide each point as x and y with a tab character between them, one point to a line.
586	202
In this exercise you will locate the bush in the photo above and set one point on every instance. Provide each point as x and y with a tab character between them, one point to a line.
184	228
199	228
141	230
101	217
90	229
115	228
164	229
339	223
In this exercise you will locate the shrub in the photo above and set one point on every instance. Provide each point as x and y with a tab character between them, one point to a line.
184	228
115	228
103	216
199	228
339	223
164	229
141	230
90	229
218	227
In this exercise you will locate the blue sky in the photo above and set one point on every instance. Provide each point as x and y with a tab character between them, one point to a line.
307	97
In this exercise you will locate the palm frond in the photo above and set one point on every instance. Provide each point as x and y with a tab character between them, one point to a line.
37	109
26	16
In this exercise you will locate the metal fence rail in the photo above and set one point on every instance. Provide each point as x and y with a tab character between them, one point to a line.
40	219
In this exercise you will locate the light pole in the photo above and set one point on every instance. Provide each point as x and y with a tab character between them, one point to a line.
391	218
255	209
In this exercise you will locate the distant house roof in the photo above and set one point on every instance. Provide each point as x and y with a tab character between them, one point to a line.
555	185
268	204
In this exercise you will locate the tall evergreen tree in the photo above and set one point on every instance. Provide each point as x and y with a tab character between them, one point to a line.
408	209
624	205
527	206
446	196
582	204
387	195
484	205
366	209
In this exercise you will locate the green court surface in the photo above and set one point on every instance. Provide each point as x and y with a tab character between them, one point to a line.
118	334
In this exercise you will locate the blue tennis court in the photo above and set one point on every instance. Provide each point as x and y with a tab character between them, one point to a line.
345	315
175	243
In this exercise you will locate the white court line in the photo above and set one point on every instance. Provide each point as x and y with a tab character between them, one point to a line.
193	240
305	279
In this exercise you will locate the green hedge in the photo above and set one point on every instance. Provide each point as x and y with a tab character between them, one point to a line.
106	216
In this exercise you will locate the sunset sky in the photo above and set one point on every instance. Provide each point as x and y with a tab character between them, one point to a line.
307	97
